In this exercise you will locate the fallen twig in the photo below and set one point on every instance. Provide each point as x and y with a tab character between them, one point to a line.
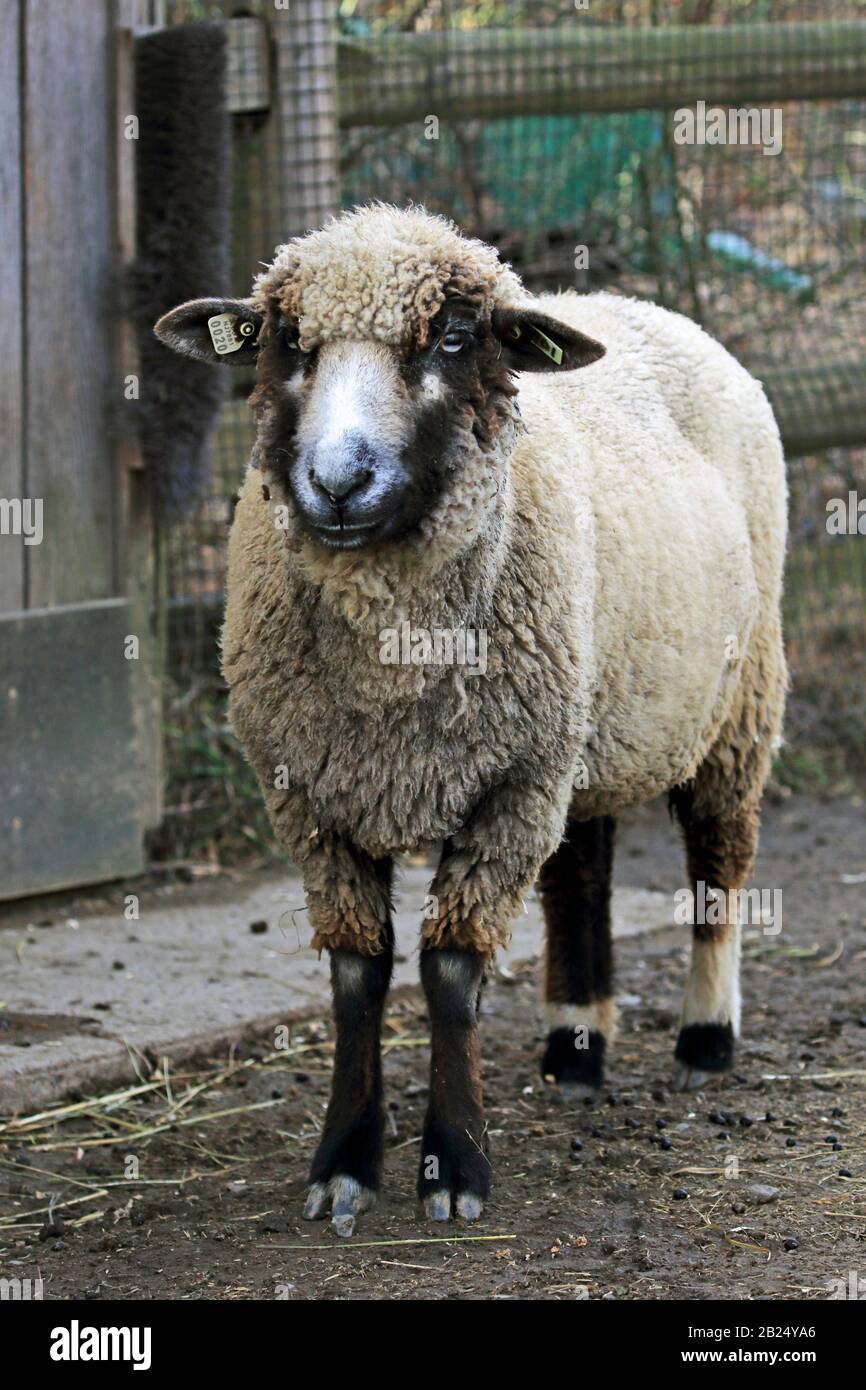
366	1244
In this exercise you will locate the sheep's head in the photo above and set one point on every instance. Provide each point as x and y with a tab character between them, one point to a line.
386	346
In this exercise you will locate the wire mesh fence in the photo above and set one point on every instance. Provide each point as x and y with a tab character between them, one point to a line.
707	154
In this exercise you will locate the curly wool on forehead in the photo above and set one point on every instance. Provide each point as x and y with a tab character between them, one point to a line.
383	273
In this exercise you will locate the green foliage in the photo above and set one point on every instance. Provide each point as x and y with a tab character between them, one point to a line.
815	771
213	803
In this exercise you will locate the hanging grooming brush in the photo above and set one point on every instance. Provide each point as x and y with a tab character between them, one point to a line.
182	190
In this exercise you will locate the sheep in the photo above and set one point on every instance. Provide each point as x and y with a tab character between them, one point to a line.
598	487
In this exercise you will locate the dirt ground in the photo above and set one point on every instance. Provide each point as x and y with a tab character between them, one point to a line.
753	1188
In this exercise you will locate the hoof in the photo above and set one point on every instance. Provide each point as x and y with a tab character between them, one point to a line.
454	1173
703	1052
573	1093
344	1197
467	1205
690	1078
577	1070
438	1205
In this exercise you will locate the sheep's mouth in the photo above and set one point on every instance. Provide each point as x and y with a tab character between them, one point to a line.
338	537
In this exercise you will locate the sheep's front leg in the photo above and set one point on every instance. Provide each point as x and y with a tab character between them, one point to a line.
454	1175
485	872
346	1169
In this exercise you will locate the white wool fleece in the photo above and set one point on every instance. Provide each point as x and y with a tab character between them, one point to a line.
672	448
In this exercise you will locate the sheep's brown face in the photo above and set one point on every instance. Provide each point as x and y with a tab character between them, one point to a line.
362	439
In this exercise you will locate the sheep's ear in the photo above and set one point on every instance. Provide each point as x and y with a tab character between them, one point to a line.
535	342
213	330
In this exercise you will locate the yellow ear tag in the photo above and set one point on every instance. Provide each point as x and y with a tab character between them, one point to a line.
226	335
547	346
541	341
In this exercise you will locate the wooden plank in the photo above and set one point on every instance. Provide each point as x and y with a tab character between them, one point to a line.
71	809
69	264
136	576
12	474
396	78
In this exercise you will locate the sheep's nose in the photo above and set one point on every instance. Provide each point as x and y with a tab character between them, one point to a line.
342	466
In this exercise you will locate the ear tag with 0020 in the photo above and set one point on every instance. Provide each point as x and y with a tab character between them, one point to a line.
228	334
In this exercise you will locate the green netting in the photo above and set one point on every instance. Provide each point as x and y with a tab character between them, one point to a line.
551	130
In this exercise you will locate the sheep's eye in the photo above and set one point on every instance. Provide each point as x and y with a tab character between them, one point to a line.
287	333
454	340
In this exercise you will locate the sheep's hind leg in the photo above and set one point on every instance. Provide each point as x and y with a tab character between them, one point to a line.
346	1169
454	1175
574	887
720	852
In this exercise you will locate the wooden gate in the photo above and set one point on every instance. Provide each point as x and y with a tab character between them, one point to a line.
79	763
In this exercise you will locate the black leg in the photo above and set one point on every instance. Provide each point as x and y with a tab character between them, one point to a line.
483	876
574	886
454	1173
347	1167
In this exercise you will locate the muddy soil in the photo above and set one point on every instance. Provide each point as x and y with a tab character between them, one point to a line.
753	1188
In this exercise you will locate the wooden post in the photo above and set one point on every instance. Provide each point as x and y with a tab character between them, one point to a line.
306	113
255	199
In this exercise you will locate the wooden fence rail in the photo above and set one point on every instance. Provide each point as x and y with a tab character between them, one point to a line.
393	79
396	78
822	406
